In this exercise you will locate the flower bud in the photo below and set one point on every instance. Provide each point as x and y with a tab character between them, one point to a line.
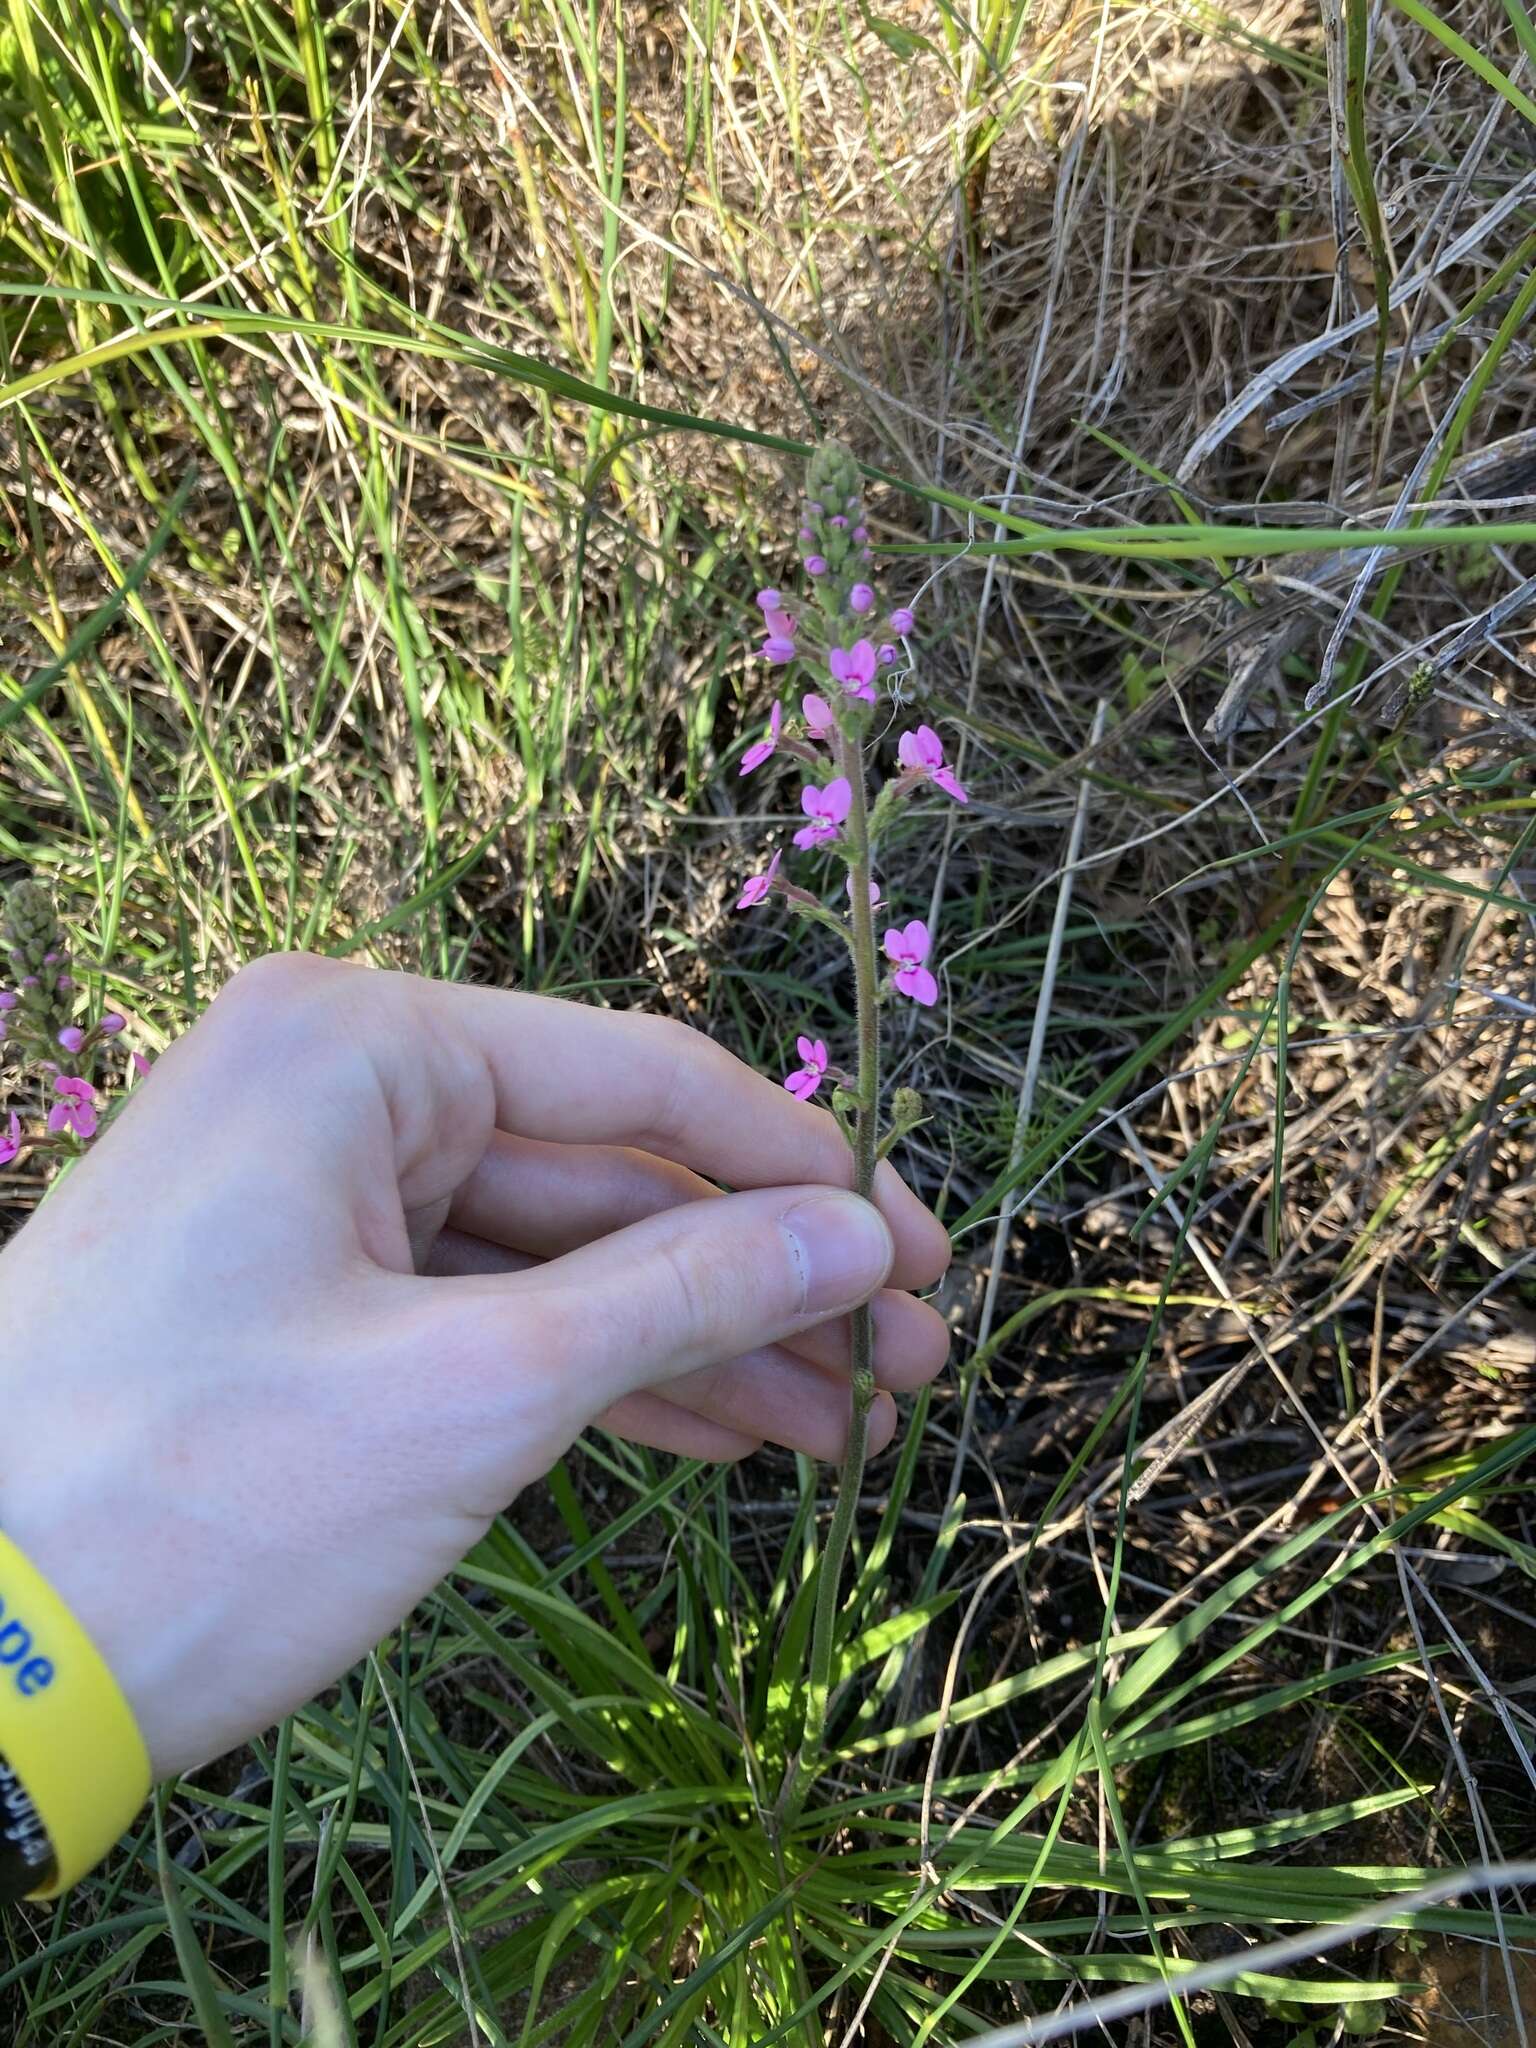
112	1023
861	598
906	1108
72	1038
815	565
902	620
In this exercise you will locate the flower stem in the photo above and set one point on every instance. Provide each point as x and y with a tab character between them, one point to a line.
866	972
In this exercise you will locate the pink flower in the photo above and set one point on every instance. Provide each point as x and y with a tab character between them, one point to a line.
827	809
815	565
71	1038
854	668
861	598
112	1023
760	750
139	1064
769	600
10	1145
75	1109
819	721
907	950
921	753
808	1078
759	887
902	621
780	643
876	901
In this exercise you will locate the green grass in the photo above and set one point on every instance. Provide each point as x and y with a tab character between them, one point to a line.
397	415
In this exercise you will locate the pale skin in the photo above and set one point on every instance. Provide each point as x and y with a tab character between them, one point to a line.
363	1256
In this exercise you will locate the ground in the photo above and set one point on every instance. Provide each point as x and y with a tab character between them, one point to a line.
396	601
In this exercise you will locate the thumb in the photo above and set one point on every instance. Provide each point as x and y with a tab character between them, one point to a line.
697	1284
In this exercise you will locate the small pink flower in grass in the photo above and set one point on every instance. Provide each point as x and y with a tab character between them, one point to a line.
854	668
71	1038
112	1023
779	644
827	809
902	620
921	753
75	1109
760	750
861	598
907	949
10	1144
808	1078
759	887
819	721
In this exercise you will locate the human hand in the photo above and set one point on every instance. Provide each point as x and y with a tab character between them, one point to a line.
363	1258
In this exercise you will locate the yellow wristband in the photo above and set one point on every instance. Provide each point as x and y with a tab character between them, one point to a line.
65	1728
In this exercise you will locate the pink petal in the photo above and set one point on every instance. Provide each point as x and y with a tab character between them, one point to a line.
862	659
806	1047
818	1056
779	624
915	940
944	778
818	715
812	835
810	800
837	799
919	984
777	649
930	746
908	752
59	1116
756	755
802	1085
893	944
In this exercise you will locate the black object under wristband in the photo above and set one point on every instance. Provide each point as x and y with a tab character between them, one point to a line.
27	1861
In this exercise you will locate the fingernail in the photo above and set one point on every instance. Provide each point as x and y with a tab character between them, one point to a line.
841	1248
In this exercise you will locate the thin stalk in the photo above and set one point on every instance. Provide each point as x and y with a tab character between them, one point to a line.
866	973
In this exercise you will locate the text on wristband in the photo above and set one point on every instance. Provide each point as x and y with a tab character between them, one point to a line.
18	1666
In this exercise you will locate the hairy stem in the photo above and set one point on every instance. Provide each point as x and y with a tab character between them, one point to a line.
866	971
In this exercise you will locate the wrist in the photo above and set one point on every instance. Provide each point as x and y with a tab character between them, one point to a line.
75	1766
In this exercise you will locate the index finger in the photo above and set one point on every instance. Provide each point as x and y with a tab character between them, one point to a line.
588	1076
578	1075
